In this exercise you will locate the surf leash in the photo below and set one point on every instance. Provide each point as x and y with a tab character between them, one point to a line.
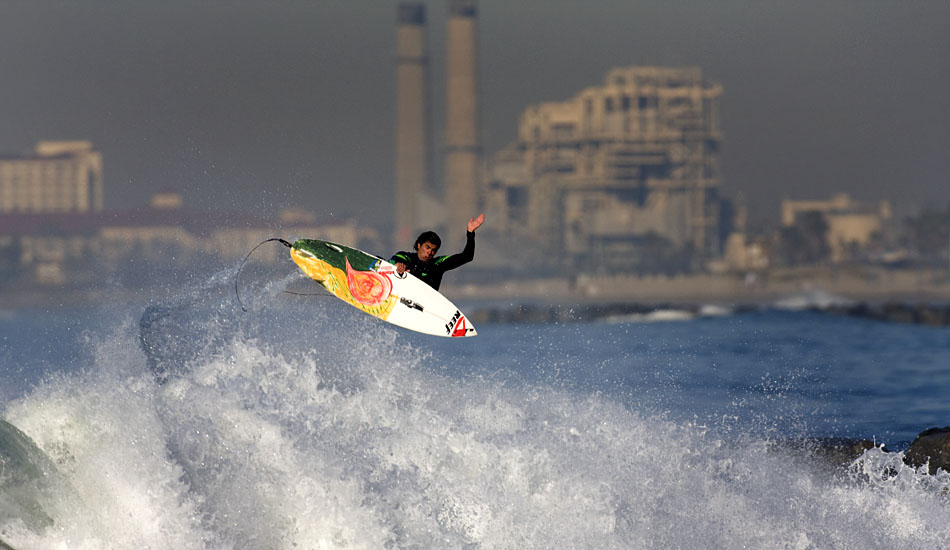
237	275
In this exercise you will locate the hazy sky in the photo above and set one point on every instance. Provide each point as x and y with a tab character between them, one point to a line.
261	105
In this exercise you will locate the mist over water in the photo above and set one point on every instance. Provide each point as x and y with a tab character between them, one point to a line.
305	424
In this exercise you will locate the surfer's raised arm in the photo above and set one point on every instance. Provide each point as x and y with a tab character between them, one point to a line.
475	223
423	263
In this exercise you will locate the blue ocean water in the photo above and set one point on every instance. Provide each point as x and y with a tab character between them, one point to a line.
305	424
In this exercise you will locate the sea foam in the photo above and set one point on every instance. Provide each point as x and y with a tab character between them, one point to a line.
282	429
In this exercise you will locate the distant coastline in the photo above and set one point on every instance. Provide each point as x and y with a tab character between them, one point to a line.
893	295
858	284
907	296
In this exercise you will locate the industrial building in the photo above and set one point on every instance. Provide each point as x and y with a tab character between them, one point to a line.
414	194
420	202
592	177
608	175
462	140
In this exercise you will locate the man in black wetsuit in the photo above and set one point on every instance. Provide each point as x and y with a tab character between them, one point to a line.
425	265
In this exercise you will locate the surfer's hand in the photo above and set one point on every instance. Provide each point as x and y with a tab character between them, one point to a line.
474	223
400	268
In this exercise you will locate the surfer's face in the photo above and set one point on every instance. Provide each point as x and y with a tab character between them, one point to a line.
426	251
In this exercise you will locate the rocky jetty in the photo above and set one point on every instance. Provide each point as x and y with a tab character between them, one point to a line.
934	314
839	452
930	447
832	455
610	312
897	312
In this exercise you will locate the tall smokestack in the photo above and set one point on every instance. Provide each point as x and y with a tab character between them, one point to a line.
412	121
461	132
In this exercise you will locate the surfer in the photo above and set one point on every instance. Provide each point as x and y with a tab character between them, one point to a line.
425	265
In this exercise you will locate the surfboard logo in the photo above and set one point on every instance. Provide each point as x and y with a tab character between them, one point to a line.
456	326
367	287
450	326
460	328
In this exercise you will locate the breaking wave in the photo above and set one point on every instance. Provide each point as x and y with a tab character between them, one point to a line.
304	425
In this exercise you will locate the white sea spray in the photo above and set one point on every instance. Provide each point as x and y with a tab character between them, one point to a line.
283	431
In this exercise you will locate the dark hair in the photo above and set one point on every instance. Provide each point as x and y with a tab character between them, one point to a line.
428	237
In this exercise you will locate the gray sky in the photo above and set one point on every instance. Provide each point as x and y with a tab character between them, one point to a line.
259	105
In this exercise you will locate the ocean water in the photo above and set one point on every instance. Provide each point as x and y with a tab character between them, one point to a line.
304	424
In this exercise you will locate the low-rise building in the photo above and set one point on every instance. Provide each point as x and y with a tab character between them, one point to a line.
58	176
851	224
147	244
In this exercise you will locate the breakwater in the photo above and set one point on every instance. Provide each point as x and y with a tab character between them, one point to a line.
896	312
930	449
613	312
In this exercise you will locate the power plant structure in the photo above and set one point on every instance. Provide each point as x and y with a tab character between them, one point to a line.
413	156
617	175
420	204
462	147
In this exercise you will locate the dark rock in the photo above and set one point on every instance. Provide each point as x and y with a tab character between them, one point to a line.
897	312
829	454
840	452
931	445
933	315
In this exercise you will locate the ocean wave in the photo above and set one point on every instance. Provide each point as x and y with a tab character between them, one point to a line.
811	298
655	316
281	429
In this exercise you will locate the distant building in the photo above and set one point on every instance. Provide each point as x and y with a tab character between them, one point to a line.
851	224
58	176
740	254
166	200
635	158
147	244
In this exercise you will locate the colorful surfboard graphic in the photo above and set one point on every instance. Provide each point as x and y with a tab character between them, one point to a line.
373	286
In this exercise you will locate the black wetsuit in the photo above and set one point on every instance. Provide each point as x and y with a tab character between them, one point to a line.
431	272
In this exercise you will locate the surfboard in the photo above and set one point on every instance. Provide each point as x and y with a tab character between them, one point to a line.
372	285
